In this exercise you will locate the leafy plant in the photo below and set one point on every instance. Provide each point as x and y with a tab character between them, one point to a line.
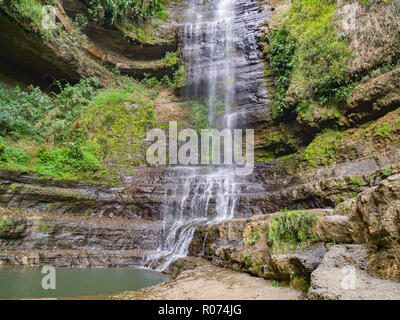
282	48
199	115
112	12
292	229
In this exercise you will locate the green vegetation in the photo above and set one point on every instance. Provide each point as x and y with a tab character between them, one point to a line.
39	116
387	172
320	60
180	77
299	283
198	115
321	150
46	227
27	12
111	12
2	223
311	61
75	158
282	48
247	260
382	130
291	229
275	283
76	133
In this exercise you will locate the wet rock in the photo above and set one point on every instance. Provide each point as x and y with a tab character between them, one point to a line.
183	264
334	229
29	192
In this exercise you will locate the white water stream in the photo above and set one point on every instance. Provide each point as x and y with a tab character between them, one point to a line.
203	195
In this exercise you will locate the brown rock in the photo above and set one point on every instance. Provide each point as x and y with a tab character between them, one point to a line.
334	229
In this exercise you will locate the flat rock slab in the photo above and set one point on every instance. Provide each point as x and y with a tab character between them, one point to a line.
335	284
213	283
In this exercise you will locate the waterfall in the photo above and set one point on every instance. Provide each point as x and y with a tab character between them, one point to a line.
203	195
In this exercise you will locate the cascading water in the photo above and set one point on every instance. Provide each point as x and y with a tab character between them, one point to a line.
199	195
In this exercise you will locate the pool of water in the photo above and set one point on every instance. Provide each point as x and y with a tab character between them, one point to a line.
73	282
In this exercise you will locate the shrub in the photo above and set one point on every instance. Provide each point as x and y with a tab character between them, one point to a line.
199	115
76	158
112	12
282	48
36	115
289	229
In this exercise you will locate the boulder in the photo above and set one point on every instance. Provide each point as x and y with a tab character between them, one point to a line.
342	275
300	262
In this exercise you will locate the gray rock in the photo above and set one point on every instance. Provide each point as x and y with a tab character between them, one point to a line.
342	275
301	262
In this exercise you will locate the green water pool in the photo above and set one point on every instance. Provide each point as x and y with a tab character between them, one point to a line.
73	282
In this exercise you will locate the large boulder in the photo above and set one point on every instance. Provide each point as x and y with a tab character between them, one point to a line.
374	219
342	275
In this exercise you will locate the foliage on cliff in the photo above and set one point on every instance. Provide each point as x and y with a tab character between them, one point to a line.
334	64
77	133
111	12
307	54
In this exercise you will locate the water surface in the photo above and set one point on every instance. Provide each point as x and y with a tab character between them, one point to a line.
73	282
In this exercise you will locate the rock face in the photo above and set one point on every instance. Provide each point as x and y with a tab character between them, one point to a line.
374	219
342	275
26	59
242	244
34	239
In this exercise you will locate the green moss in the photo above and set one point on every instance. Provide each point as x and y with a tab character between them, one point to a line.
321	150
46	226
291	229
382	130
300	283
